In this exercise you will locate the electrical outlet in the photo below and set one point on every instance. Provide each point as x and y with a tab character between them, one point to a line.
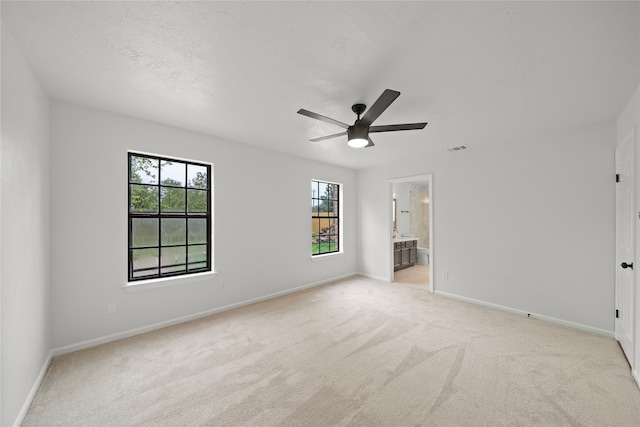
221	285
112	307
445	274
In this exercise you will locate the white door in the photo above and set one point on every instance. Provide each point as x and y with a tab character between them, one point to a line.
625	246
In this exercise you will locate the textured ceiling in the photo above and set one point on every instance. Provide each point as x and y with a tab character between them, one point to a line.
481	73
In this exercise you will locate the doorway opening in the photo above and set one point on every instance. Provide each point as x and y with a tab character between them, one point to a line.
411	252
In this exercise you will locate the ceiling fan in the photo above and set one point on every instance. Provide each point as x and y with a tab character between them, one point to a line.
358	133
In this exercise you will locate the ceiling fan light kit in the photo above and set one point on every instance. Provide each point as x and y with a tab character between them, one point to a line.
357	137
358	133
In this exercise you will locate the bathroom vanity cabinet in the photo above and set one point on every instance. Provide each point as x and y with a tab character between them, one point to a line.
405	253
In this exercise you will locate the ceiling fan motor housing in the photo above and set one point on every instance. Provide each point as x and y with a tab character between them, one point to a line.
357	132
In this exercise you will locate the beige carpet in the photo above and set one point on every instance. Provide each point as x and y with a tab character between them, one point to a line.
357	352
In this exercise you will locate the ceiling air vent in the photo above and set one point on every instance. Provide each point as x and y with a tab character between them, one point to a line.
458	148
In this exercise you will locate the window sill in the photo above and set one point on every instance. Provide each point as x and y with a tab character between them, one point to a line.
326	257
145	285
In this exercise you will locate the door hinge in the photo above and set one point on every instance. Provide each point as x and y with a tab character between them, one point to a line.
617	314
617	177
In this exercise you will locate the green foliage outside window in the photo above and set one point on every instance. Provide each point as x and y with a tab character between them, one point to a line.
325	217
169	216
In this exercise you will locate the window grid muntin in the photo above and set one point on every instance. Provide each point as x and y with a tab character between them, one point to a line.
134	274
333	216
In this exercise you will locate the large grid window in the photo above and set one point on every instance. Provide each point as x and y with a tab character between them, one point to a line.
169	217
325	217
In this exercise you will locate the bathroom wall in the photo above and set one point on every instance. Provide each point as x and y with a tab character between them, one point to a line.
401	192
419	216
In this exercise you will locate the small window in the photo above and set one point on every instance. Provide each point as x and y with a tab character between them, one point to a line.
169	217
325	217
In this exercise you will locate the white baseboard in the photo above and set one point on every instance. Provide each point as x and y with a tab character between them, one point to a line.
371	276
137	331
34	389
574	325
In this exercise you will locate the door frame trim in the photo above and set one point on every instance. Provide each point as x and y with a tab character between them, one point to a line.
424	177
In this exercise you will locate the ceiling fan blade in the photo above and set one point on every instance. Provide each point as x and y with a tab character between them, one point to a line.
391	128
370	144
378	107
322	138
322	118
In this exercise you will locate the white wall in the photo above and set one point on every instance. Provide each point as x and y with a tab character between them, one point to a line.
629	118
401	190
262	224
524	226
24	232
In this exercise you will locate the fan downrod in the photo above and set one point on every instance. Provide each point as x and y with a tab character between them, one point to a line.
358	109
